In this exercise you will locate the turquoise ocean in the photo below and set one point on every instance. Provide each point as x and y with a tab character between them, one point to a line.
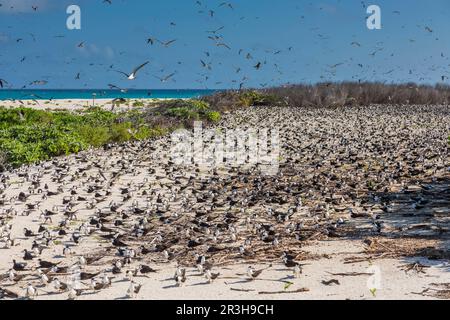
6	94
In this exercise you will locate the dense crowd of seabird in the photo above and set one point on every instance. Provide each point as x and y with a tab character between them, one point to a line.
81	223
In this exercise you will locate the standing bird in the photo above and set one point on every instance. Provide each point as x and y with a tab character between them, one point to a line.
73	293
19	266
253	274
297	271
31	292
133	289
180	276
67	251
211	276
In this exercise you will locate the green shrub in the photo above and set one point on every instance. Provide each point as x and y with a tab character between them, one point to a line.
254	98
138	103
191	110
3	161
28	135
121	132
94	136
213	116
28	144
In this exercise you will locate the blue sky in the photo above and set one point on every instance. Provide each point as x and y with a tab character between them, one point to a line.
319	33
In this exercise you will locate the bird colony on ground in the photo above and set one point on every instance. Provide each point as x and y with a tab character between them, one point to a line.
85	222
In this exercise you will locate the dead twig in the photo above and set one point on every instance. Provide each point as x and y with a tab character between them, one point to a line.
242	290
351	274
281	292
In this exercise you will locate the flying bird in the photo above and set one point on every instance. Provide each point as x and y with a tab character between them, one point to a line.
133	74
166	78
151	40
38	82
114	87
215	31
221	44
167	43
226	4
3	82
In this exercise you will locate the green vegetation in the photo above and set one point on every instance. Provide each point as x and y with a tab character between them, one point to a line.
181	113
187	109
213	116
255	98
28	135
138	103
231	100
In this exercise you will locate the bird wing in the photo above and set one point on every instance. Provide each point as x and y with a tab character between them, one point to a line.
169	76
169	42
140	67
111	86
127	75
223	45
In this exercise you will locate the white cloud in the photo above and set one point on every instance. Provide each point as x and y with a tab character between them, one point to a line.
4	37
92	50
109	52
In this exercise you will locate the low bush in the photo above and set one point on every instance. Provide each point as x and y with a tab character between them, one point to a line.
255	98
354	93
28	135
181	113
3	161
138	103
213	116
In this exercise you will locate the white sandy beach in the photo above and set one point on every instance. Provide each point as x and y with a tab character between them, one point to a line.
74	104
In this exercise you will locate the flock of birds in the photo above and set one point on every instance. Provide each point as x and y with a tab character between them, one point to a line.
253	59
124	212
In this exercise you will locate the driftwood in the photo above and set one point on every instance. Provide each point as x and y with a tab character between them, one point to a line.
281	292
242	290
415	266
330	282
352	274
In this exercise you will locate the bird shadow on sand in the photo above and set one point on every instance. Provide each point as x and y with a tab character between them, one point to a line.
286	278
51	293
417	224
240	281
122	280
91	293
283	270
171	286
199	284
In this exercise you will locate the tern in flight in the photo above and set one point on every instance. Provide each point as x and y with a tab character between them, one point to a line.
166	78
133	74
2	82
